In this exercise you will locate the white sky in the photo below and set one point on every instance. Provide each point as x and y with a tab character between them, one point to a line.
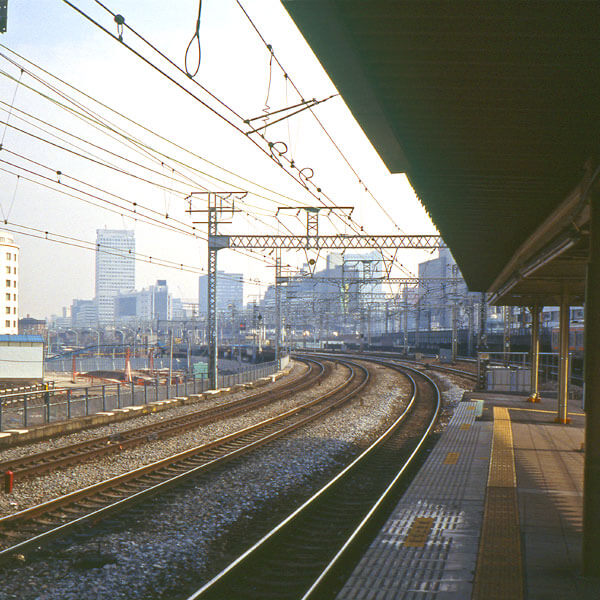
234	66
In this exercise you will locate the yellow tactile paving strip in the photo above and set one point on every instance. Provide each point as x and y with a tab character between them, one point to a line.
419	532
451	458
499	573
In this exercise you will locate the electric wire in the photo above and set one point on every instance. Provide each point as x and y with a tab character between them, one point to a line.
273	56
88	245
216	112
179	147
96	120
322	126
97	247
273	150
132	211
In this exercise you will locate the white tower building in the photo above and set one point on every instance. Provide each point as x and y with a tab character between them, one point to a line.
115	269
9	300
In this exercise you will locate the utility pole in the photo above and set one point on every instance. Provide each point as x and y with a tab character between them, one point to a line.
213	352
506	338
218	205
405	320
278	307
170	359
482	342
454	331
454	316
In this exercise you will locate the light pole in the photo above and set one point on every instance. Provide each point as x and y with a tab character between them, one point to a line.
122	336
76	335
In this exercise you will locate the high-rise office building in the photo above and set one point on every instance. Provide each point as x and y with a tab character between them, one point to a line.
9	301
115	269
230	291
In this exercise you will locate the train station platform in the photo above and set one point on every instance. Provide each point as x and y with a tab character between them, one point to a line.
495	512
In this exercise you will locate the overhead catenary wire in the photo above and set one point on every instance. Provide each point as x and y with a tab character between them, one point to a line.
246	203
131	212
137	124
89	245
272	155
69	240
95	119
321	125
273	56
135	217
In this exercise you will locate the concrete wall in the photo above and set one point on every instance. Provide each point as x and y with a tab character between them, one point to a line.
21	360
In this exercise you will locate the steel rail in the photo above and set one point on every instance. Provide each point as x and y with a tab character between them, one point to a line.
217	586
190	468
359	530
35	464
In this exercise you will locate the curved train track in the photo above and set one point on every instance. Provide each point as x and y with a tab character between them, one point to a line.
33	527
42	462
305	554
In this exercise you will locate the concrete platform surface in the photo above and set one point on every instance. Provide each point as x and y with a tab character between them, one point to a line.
494	513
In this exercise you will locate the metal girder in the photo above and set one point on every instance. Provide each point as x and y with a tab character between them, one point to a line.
370	280
278	308
331	242
213	353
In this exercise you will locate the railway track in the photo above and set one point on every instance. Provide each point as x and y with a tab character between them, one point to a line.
33	527
50	460
309	553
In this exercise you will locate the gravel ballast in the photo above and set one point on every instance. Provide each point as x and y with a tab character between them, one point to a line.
162	551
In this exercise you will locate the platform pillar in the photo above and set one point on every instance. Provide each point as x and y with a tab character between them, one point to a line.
563	367
591	489
535	352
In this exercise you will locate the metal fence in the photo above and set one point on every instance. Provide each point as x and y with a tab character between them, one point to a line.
511	372
117	363
28	409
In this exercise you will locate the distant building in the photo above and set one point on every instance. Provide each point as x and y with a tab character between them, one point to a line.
437	298
162	302
30	326
84	313
178	313
230	291
115	269
9	300
149	304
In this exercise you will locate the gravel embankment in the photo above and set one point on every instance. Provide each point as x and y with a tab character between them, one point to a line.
148	419
164	550
51	485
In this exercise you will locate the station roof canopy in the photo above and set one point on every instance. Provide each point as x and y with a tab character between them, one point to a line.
492	109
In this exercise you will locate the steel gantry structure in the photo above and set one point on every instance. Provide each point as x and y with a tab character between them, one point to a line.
327	242
220	204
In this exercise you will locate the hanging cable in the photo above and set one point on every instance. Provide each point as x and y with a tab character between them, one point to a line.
11	108
120	115
197	38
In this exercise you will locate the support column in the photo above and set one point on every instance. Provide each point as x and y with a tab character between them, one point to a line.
471	331
591	490
506	314
278	307
482	342
563	368
212	295
405	321
535	353
454	331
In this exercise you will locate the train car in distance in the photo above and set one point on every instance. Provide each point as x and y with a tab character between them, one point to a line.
576	338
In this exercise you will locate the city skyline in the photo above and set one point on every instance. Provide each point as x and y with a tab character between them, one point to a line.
89	194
